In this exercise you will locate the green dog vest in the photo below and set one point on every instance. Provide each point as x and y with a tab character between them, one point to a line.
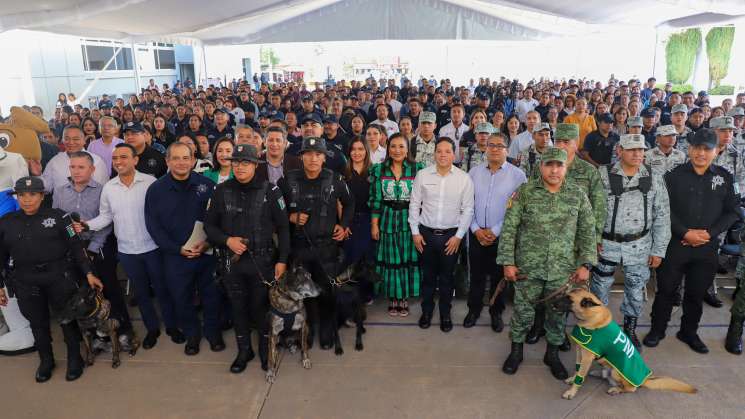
612	344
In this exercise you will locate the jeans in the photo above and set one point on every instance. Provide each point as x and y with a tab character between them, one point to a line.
145	270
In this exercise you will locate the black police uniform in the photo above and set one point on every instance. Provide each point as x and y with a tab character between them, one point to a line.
706	202
254	211
312	244
45	255
151	162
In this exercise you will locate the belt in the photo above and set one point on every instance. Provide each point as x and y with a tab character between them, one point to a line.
53	266
439	232
624	238
396	205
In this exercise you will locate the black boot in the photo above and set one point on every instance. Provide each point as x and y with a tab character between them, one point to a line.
75	362
629	327
552	360
711	298
513	361
46	364
264	351
565	346
245	354
733	342
537	331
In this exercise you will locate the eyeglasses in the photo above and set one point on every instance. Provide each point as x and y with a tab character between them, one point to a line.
496	146
241	163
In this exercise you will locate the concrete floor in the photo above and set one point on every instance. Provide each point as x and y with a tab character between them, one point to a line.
403	372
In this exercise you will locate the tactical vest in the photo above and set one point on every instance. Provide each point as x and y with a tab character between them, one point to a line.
307	200
617	189
469	156
259	236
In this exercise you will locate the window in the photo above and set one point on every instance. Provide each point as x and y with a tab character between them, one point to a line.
96	54
165	59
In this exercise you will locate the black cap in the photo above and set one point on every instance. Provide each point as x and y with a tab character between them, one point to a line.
265	114
649	113
314	144
482	96
330	119
106	106
245	152
223	110
311	116
133	126
706	137
29	184
308	98
606	117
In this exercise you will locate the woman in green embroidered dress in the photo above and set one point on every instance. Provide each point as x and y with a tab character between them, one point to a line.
397	260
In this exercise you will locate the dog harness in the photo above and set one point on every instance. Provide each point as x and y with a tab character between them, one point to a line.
611	344
288	319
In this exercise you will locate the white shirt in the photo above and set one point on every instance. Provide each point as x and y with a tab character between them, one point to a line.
445	201
455	134
58	170
390	126
378	155
524	106
125	207
520	144
396	106
12	168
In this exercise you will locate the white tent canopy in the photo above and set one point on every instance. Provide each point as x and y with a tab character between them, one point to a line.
226	22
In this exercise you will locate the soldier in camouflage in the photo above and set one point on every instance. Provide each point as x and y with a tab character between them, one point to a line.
587	177
548	238
637	229
476	153
728	157
738	114
665	157
678	117
530	158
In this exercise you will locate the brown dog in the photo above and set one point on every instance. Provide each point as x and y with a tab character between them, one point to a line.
599	338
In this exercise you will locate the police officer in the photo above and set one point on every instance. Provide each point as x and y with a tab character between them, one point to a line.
702	206
637	229
42	245
250	258
728	157
312	194
548	239
530	158
664	157
221	128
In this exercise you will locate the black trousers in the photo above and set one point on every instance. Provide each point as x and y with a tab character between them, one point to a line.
438	270
698	265
36	292
248	295
322	261
483	264
105	265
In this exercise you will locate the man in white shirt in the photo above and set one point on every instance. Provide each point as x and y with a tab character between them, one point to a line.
123	203
104	146
526	104
525	139
58	168
444	195
381	111
389	95
456	128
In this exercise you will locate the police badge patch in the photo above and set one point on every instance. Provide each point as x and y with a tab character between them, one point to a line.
152	163
202	188
49	223
716	181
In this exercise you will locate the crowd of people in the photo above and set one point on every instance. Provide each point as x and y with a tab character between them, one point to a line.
540	184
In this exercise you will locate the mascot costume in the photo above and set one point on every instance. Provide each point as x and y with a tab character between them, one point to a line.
19	142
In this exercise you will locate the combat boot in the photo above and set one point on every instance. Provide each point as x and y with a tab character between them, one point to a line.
733	342
629	327
75	362
264	351
46	366
554	363
513	361
245	354
537	331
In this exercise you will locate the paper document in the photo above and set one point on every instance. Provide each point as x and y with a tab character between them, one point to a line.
197	236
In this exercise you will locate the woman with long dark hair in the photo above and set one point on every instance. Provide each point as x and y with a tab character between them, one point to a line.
359	246
221	167
161	134
397	261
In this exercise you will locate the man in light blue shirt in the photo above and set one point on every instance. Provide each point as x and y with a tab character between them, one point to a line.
494	183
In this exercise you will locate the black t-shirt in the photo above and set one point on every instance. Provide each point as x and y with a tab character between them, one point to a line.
601	148
360	187
152	162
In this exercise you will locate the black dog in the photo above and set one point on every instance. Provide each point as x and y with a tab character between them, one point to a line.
92	312
349	305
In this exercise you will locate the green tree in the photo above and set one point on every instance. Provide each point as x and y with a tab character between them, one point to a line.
718	49
680	54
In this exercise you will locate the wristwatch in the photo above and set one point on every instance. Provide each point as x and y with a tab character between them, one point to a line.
587	266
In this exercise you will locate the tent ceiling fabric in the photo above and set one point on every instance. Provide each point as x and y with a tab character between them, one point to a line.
267	21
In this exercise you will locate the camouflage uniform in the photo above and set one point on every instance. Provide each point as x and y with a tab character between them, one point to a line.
662	163
732	162
525	157
632	255
681	142
547	236
425	151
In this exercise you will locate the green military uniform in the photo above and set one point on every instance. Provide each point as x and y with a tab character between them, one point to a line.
547	236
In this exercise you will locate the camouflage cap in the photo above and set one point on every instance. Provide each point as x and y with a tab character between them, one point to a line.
736	111
665	130
680	107
722	122
554	154
635	121
632	141
484	127
428	117
566	132
541	127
